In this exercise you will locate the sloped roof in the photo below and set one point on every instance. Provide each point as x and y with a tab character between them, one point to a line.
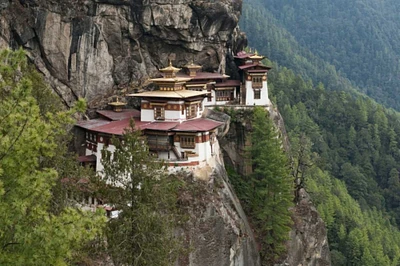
228	83
195	125
247	66
124	114
181	94
118	127
242	55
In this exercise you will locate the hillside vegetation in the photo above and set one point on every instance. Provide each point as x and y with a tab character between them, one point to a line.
347	150
332	40
345	145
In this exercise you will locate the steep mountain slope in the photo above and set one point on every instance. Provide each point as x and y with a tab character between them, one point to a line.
345	146
360	39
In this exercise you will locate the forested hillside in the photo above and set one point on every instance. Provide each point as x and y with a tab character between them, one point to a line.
323	39
346	151
345	146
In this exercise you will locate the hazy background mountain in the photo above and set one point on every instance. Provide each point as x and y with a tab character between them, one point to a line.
358	40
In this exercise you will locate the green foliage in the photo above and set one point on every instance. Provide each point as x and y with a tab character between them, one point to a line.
356	140
146	196
31	234
344	45
350	146
267	194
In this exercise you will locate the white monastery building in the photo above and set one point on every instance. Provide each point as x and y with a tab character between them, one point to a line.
171	116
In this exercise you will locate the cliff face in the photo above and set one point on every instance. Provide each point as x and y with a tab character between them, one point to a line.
308	242
217	232
91	48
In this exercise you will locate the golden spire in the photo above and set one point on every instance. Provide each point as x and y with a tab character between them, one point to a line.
169	71
117	105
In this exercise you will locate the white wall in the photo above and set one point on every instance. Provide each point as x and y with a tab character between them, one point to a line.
163	155
249	93
174	115
264	99
147	115
264	95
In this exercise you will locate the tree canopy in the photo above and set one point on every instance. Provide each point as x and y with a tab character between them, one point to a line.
139	187
30	233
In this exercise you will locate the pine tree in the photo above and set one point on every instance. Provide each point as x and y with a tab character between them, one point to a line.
272	186
145	195
29	233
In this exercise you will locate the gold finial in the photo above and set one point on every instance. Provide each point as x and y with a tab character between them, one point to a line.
170	62
117	105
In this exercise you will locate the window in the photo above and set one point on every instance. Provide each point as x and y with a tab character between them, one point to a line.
159	113
257	94
191	111
187	142
224	95
257	81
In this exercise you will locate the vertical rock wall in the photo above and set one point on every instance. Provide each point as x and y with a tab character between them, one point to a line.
217	231
91	48
308	242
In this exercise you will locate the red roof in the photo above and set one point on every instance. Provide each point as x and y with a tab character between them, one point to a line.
242	55
118	127
228	83
160	125
113	127
93	123
254	65
199	124
257	70
124	114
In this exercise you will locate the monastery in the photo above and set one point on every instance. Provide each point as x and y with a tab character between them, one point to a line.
171	116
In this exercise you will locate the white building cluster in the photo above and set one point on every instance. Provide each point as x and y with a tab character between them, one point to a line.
171	116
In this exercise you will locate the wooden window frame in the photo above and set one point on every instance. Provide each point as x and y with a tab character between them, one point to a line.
257	82
159	113
257	94
188	142
223	95
191	110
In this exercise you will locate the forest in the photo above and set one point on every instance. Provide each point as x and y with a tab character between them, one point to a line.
345	45
345	145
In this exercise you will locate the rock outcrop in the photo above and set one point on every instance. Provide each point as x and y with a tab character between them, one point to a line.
308	242
217	232
92	48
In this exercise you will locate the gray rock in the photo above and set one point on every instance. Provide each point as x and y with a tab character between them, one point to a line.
308	244
217	230
91	48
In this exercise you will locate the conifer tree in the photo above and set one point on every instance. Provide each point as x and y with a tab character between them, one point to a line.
29	233
139	187
272	186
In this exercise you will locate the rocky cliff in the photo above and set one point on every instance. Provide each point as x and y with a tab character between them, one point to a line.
93	48
308	241
217	232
